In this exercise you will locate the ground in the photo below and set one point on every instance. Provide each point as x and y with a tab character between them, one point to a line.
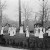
9	48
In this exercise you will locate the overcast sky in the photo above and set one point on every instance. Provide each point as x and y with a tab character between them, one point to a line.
12	7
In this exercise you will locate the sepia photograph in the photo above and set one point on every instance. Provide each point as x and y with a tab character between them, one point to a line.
24	24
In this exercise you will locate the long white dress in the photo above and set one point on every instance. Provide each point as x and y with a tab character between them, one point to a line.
27	32
2	30
11	33
14	31
21	30
41	33
36	32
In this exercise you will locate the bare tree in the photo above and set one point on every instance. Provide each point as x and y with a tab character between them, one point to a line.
2	7
44	12
27	12
4	18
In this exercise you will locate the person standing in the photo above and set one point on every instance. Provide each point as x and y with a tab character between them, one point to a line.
27	31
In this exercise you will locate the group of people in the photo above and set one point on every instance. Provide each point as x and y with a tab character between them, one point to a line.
12	31
27	31
39	31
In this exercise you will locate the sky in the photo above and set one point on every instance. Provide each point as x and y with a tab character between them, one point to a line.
12	8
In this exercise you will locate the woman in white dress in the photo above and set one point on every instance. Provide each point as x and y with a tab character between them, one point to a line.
2	30
27	32
41	33
36	32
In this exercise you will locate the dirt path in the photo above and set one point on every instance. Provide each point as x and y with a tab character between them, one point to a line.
9	48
